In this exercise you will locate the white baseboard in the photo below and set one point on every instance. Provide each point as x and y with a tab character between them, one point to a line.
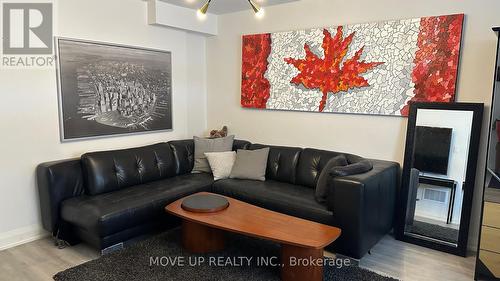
21	235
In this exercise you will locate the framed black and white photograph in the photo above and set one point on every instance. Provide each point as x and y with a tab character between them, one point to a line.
108	89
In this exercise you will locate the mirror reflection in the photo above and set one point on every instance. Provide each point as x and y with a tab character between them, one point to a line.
437	175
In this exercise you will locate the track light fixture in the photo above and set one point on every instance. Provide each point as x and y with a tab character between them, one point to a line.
204	8
258	10
202	12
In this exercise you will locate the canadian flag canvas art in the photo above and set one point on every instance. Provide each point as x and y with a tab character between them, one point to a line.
373	68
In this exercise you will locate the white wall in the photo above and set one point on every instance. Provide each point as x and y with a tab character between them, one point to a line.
29	123
197	85
371	136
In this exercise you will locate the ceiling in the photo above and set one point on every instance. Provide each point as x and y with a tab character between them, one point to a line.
225	6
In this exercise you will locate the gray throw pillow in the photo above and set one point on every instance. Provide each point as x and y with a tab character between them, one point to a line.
321	191
202	146
250	164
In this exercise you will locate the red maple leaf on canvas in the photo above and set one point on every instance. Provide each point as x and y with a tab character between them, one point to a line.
331	74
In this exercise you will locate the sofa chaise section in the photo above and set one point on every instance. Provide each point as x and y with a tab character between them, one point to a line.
103	217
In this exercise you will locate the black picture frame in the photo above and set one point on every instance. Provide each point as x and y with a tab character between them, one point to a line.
482	272
461	248
107	89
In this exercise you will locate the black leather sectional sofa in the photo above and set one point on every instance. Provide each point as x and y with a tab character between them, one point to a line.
105	198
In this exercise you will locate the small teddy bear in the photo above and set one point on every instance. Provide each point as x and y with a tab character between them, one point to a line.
218	133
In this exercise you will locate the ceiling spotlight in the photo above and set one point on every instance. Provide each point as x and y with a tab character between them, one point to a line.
202	12
259	11
200	15
204	8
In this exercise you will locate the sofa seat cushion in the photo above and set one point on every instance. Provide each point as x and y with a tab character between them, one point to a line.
290	199
112	212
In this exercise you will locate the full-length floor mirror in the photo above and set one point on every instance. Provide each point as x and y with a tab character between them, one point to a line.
439	174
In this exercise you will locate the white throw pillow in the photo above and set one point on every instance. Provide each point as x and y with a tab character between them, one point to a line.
221	163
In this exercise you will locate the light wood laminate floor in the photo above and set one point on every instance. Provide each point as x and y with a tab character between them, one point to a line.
40	260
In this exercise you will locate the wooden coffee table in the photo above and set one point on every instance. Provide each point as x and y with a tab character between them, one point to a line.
299	238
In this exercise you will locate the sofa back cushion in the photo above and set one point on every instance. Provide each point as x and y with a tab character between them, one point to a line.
311	163
240	144
281	162
108	171
184	153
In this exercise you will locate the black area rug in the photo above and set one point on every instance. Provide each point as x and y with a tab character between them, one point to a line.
139	262
434	231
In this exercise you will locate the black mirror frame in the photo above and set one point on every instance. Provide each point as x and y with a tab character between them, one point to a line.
469	184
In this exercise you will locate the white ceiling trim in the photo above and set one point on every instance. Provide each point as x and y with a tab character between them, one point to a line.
164	14
220	7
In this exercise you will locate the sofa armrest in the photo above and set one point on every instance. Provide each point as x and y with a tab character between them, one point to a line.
57	181
363	204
